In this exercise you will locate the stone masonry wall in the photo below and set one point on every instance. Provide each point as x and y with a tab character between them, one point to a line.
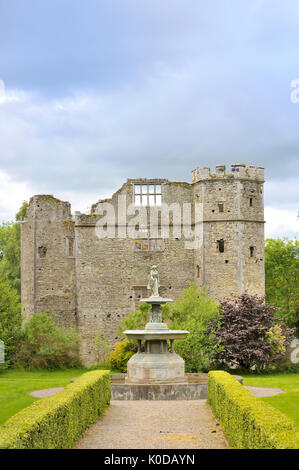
95	282
49	282
112	274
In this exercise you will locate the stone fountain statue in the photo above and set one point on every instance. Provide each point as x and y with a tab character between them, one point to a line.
156	364
154	283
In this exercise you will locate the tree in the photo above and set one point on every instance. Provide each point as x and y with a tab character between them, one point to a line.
10	250
249	333
282	278
195	312
10	317
43	344
5	234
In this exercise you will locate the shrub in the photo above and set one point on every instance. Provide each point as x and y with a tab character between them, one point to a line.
101	348
123	351
248	333
45	345
195	312
57	422
248	423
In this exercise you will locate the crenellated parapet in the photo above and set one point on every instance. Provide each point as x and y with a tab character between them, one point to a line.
237	170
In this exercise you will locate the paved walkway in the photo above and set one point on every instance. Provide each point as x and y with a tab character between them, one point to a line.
183	424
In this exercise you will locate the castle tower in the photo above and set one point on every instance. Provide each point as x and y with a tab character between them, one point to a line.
231	257
48	259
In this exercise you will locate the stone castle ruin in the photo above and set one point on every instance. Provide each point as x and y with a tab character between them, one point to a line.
94	281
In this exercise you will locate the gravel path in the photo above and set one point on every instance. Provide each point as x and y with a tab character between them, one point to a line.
260	392
46	392
147	424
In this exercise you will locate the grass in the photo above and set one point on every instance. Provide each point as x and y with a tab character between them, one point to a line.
288	402
16	384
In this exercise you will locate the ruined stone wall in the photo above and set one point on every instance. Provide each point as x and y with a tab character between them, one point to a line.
112	274
48	262
96	282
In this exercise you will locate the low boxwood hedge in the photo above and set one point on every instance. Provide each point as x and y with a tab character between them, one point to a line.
57	422
249	423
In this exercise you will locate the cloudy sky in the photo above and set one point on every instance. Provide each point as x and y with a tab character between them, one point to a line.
96	91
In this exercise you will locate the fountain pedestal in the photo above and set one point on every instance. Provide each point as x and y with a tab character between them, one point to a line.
156	364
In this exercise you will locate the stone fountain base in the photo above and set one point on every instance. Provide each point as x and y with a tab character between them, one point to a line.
194	388
166	367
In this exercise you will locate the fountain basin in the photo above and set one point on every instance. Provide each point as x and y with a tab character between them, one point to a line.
156	364
156	334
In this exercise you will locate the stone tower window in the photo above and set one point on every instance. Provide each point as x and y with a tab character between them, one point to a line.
221	207
69	247
250	201
251	250
198	271
147	194
42	251
220	246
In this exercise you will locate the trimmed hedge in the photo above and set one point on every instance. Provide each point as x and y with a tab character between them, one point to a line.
249	423
58	422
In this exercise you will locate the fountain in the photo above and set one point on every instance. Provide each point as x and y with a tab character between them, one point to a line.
156	364
154	372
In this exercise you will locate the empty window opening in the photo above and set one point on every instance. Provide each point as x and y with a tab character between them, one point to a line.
42	251
148	194
198	271
70	247
220	245
226	261
221	207
251	249
250	201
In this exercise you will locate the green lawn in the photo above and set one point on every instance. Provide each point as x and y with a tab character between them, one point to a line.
287	402
15	386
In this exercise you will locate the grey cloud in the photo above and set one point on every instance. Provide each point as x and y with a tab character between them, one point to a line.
150	92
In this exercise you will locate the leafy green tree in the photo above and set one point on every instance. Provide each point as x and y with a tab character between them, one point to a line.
10	250
195	312
5	234
10	317
45	345
282	278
